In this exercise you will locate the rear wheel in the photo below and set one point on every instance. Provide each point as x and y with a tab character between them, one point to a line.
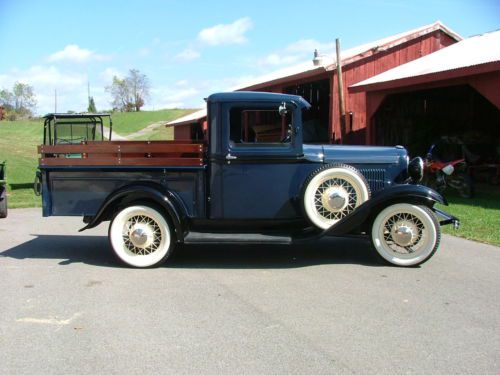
406	235
141	237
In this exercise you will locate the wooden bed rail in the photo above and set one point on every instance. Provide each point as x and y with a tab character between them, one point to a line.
124	153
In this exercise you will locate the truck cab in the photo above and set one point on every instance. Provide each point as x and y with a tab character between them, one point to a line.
253	180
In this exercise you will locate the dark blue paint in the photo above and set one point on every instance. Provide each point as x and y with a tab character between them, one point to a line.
264	182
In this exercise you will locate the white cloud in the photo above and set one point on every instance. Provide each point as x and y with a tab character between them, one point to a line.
143	52
71	87
72	52
188	55
232	33
173	97
300	50
108	74
276	59
308	46
43	75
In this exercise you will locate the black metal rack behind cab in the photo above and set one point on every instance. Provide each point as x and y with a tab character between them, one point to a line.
73	128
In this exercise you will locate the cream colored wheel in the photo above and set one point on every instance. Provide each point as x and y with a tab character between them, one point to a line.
140	236
333	193
406	235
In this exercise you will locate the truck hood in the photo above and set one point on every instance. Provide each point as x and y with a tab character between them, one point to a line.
356	154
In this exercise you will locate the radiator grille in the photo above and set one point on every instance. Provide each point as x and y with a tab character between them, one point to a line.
375	178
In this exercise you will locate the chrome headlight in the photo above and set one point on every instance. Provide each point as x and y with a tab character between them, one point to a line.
416	169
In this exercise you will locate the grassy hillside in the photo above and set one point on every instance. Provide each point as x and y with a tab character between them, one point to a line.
125	123
19	140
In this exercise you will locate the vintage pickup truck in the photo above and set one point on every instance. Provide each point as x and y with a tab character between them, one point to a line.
253	180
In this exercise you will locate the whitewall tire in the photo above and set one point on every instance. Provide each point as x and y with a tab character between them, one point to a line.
141	236
333	192
406	235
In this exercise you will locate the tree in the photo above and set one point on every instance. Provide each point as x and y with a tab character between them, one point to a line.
91	108
21	101
138	84
24	98
129	93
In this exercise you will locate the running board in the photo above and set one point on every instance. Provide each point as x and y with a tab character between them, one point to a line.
236	238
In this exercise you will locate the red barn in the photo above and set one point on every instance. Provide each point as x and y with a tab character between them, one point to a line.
316	81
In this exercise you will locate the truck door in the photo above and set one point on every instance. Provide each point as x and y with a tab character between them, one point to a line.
259	171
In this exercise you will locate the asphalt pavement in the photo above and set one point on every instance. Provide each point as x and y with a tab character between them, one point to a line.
328	307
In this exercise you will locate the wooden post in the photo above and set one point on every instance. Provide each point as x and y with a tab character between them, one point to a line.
340	86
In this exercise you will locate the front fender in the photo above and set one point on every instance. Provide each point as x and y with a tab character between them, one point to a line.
404	193
142	191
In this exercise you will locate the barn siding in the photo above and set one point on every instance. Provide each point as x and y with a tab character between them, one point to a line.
357	71
182	132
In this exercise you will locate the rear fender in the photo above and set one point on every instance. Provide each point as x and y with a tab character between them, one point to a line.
142	192
405	193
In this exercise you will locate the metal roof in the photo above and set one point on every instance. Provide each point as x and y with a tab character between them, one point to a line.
348	56
329	63
466	57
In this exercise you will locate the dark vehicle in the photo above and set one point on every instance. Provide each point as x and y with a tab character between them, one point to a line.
75	128
253	181
3	191
439	175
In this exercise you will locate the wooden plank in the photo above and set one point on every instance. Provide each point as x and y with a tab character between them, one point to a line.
100	148
121	162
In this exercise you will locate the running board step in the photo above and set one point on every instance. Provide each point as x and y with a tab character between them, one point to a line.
236	238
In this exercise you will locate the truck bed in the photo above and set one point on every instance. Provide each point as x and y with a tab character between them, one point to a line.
123	153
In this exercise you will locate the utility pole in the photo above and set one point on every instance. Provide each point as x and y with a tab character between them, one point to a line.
340	86
55	100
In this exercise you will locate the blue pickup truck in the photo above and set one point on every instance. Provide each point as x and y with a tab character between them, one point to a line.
253	181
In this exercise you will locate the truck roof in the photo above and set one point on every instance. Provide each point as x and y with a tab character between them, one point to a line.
254	96
74	115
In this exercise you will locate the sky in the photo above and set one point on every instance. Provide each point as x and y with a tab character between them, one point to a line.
190	49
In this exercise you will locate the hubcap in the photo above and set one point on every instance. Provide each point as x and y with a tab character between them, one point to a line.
141	235
334	198
403	233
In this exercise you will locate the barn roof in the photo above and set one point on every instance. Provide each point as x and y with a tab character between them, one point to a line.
477	54
307	68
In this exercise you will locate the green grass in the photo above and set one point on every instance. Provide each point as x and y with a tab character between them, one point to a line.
125	123
159	134
19	141
479	216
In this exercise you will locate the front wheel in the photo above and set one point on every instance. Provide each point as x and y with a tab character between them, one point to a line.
141	237
406	235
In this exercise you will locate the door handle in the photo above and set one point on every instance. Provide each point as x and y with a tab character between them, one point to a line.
231	157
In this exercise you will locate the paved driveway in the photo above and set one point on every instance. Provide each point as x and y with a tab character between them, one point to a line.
330	307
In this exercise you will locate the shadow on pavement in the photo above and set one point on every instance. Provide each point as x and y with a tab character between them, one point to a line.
95	250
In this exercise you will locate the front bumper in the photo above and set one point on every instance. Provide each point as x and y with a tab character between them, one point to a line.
445	218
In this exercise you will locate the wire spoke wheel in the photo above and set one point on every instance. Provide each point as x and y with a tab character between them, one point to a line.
405	234
140	236
333	192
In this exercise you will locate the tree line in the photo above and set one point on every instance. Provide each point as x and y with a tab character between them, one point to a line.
128	94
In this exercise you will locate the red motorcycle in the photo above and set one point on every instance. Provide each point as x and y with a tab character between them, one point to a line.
439	175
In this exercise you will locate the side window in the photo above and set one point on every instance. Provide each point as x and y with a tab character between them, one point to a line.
260	125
